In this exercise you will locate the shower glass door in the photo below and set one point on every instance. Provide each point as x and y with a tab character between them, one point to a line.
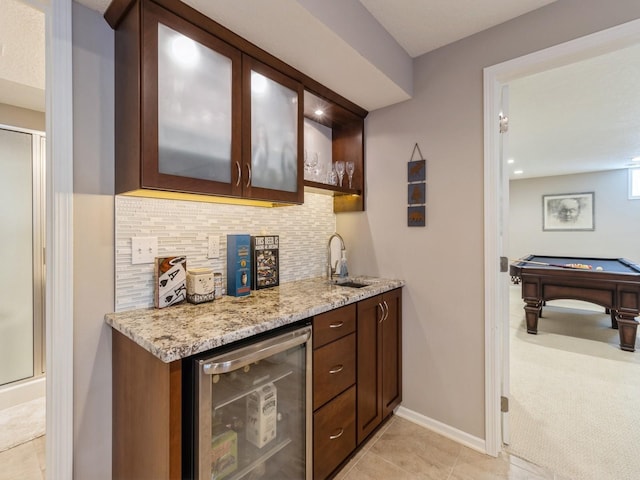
22	281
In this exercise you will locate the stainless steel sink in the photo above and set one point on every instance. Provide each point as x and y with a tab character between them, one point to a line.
352	284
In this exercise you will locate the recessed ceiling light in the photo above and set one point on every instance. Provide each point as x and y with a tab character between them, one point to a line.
510	161
635	159
518	172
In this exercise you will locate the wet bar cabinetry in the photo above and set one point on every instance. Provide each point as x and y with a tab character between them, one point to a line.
356	370
200	110
379	351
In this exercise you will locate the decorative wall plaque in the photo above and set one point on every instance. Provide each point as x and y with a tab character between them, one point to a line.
416	189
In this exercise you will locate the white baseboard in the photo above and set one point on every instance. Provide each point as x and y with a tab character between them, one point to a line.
454	434
23	392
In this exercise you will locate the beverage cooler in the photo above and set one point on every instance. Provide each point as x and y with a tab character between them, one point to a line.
251	410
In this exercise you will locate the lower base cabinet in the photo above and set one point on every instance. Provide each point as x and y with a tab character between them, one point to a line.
357	378
379	360
334	433
357	370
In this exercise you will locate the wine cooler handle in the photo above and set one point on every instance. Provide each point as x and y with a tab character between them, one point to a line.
337	435
236	359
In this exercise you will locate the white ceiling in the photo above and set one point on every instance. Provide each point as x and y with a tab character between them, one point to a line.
588	120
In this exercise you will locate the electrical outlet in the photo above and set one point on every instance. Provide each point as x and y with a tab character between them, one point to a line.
214	247
143	249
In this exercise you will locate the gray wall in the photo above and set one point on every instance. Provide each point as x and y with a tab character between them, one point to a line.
93	177
442	264
617	219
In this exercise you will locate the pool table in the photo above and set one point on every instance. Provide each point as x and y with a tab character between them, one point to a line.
616	287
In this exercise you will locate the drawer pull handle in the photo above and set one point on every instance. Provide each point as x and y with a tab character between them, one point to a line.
337	435
336	369
381	313
336	325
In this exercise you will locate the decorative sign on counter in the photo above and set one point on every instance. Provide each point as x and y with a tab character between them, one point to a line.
265	261
238	265
170	280
416	190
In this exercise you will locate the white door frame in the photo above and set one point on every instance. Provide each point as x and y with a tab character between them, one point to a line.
59	240
494	78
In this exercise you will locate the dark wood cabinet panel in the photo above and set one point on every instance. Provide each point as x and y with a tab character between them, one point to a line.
379	351
334	433
147	413
334	324
334	369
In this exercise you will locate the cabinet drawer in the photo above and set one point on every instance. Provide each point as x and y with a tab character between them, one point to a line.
334	324
334	433
334	369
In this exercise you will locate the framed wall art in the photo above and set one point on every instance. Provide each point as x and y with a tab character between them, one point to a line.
568	212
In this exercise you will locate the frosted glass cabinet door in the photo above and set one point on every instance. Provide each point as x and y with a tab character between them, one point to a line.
190	102
276	118
194	108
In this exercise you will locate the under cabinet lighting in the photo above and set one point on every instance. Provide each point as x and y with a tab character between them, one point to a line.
319	112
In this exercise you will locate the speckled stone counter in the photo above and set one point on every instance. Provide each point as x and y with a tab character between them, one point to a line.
176	332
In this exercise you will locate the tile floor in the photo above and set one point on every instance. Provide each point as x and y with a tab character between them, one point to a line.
401	450
24	462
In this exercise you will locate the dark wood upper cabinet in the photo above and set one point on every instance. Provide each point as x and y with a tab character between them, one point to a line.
272	133
178	106
191	118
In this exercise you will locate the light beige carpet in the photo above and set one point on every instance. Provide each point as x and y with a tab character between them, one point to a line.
575	396
22	423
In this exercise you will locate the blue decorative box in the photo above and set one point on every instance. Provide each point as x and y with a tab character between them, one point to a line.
238	265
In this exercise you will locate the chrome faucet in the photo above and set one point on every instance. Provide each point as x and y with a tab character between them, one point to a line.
331	271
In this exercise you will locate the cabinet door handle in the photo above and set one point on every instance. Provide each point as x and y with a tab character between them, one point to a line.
239	173
381	313
336	369
386	308
337	435
336	325
248	176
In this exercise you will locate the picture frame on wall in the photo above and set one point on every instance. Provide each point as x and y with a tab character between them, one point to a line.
568	212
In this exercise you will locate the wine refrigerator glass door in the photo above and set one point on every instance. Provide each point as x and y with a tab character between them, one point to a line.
254	410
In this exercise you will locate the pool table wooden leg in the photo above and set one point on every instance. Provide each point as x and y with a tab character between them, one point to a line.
532	311
614	322
627	328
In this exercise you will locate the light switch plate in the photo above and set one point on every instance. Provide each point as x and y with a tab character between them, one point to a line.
143	249
213	251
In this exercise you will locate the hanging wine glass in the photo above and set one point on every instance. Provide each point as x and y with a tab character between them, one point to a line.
350	167
340	171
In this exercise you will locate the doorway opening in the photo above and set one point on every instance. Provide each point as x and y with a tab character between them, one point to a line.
496	289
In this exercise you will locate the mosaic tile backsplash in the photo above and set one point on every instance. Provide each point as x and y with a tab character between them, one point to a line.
183	228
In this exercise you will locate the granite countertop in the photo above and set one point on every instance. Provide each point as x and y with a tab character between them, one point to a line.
181	330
